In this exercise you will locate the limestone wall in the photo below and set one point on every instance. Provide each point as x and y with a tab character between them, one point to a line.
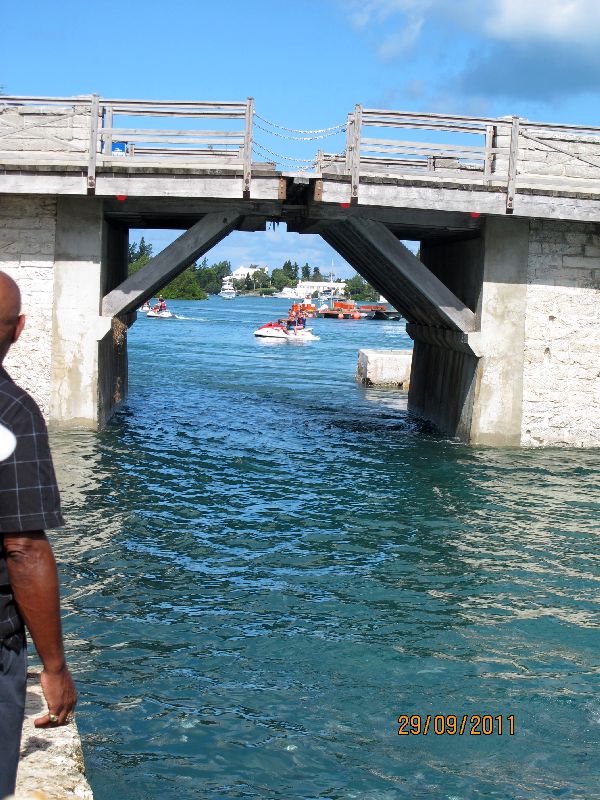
555	154
47	129
27	244
561	379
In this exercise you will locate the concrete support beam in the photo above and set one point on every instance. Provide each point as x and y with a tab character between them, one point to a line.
498	399
169	263
473	388
411	288
77	325
442	380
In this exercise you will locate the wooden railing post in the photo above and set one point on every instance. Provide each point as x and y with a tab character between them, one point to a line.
349	141
91	176
248	148
512	165
108	138
355	155
489	156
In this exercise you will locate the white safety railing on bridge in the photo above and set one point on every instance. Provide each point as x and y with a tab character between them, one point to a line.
91	134
510	153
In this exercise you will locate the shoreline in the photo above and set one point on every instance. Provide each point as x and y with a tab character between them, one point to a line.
51	766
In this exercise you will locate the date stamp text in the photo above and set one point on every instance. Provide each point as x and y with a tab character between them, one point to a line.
456	724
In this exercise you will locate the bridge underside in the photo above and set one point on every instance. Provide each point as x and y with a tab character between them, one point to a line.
480	301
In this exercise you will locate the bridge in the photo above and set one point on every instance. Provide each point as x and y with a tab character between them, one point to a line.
502	303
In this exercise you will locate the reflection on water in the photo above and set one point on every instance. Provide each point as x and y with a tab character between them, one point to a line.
265	564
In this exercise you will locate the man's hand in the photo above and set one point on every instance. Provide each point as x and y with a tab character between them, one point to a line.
34	582
61	697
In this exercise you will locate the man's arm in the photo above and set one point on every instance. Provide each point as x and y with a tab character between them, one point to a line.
34	581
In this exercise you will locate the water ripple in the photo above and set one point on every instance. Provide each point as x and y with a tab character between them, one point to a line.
265	564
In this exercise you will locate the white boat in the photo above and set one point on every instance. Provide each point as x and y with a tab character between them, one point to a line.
145	307
227	288
279	330
166	314
287	293
329	296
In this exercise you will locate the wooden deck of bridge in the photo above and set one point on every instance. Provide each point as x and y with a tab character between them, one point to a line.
393	165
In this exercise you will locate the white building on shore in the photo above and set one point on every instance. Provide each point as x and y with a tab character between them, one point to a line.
322	287
241	273
310	288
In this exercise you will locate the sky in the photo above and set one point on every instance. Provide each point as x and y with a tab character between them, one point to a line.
307	63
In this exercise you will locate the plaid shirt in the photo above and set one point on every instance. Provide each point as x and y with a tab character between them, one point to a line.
29	499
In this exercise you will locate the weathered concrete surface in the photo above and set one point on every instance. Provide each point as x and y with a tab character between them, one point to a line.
497	400
27	234
536	379
51	764
384	367
46	132
78	326
561	371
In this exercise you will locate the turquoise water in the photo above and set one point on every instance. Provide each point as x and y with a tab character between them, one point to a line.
266	564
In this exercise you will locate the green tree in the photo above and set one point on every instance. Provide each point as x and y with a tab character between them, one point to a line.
140	251
289	272
139	256
357	288
210	278
316	275
280	278
306	273
261	279
184	287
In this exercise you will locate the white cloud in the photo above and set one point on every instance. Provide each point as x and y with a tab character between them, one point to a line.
401	40
540	51
367	12
561	21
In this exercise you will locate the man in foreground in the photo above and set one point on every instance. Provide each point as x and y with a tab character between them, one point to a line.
29	591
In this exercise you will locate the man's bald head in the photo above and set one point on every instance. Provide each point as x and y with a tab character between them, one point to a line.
11	319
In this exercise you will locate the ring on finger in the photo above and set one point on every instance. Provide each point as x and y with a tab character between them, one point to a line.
52	717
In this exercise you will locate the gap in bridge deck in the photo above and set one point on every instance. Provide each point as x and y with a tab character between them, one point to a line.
271	248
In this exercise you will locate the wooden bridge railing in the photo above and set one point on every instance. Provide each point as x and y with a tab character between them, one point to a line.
90	134
93	132
510	153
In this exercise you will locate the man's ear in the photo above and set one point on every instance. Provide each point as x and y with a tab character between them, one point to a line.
19	327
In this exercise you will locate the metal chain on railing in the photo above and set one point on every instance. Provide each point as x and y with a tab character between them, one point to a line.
296	138
288	134
307	162
332	130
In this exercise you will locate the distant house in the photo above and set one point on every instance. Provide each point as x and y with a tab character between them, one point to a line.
241	273
307	288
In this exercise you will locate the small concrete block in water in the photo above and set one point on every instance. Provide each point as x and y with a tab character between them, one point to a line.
51	764
384	367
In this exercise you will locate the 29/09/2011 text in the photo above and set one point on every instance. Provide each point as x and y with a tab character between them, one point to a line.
455	725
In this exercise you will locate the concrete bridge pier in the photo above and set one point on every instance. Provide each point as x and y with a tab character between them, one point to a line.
89	351
505	321
65	257
472	386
